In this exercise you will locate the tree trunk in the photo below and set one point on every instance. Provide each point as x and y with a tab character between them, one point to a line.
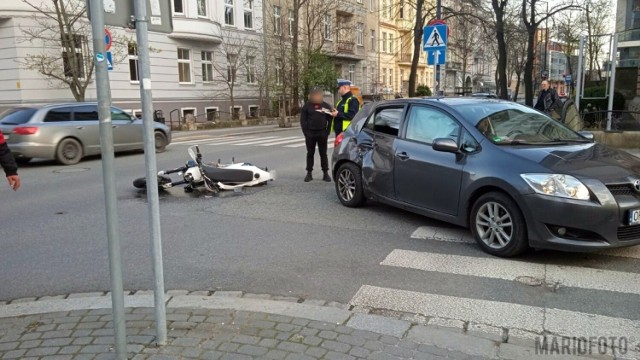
417	48
501	70
528	67
295	65
515	93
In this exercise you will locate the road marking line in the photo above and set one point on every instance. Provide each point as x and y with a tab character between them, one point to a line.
462	235
504	269
330	144
284	142
524	317
204	140
232	142
265	140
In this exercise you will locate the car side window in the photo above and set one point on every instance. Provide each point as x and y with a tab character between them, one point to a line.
117	114
85	113
386	121
426	124
58	114
467	143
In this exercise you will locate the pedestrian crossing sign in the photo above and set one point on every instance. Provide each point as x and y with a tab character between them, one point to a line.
109	61
435	37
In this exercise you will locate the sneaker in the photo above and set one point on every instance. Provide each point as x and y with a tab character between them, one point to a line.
326	177
308	177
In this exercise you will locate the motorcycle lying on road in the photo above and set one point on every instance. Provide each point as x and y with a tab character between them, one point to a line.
214	177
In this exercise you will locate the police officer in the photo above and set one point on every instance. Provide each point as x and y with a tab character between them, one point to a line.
8	163
347	107
315	121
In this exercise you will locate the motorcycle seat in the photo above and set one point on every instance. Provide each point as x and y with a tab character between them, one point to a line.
227	175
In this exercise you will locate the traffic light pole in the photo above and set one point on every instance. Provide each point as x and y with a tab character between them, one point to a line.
437	67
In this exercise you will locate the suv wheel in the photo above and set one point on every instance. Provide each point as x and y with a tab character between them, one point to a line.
349	188
69	152
160	141
498	225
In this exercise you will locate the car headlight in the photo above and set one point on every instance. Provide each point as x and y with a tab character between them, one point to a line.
565	186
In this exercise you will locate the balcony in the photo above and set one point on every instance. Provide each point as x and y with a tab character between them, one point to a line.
629	38
453	65
196	29
405	57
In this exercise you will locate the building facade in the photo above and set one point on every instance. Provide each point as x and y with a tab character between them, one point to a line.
212	42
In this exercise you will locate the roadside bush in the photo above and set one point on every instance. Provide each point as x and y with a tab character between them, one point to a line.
601	104
423	90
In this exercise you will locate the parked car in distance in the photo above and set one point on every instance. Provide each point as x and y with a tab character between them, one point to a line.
484	95
69	132
516	177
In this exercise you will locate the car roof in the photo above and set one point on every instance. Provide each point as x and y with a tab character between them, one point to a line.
54	105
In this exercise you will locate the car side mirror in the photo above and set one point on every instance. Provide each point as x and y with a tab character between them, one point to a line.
446	145
587	135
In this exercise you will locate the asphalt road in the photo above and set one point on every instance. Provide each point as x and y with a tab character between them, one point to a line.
287	238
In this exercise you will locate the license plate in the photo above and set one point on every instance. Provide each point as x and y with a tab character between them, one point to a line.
634	217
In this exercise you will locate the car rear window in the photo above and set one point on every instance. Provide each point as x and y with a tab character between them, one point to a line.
59	114
17	116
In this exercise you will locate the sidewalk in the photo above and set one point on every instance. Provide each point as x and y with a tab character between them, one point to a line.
234	325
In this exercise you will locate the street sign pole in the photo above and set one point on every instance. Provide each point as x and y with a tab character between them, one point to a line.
612	80
142	37
435	72
437	67
579	80
108	175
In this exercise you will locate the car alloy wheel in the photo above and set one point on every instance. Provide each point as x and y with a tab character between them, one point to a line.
494	225
347	184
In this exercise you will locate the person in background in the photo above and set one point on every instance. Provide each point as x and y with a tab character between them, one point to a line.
347	107
315	121
548	101
8	164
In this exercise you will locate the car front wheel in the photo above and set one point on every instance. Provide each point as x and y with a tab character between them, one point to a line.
160	141
69	152
348	181
498	225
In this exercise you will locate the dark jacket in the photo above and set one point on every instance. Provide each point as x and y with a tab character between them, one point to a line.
548	101
7	161
312	120
349	114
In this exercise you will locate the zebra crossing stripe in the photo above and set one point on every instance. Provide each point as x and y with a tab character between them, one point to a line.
329	145
285	141
201	140
235	141
513	316
266	140
504	269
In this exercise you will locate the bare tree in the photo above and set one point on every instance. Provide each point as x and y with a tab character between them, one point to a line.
532	20
568	26
63	33
596	18
235	64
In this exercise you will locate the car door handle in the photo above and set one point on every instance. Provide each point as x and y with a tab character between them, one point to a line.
403	156
366	146
115	126
80	127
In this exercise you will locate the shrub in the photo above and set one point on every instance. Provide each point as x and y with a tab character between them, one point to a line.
423	90
602	104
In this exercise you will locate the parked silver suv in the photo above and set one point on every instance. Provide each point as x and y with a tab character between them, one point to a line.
68	132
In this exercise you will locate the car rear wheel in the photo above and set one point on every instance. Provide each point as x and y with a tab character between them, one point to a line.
349	185
69	152
160	141
498	225
23	160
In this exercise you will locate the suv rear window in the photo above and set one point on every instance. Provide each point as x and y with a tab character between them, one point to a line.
17	116
58	114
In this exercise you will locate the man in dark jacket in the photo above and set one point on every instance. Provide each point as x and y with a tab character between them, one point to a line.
347	107
548	100
8	163
315	118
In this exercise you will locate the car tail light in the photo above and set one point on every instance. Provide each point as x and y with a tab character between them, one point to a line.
338	140
25	130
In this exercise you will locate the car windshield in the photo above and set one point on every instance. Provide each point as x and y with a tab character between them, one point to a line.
520	125
16	116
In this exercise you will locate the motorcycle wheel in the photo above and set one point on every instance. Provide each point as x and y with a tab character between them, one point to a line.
141	183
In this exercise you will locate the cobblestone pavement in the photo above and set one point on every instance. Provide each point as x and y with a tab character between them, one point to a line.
201	332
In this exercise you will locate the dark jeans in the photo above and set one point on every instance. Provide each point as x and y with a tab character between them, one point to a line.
321	139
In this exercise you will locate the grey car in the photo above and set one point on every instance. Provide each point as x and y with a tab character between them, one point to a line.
516	177
69	132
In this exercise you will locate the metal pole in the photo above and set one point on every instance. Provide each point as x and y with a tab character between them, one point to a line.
435	71
142	38
579	75
108	177
612	80
437	66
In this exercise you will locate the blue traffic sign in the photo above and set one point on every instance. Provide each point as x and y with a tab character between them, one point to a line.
440	54
109	61
568	79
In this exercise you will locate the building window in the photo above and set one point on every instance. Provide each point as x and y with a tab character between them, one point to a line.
212	113
384	76
253	111
228	13
372	5
327	26
178	7
390	43
202	8
352	73
248	14
291	18
360	34
207	66
363	79
231	67
277	18
184	65
251	69
235	111
279	73
134	76
373	40
384	42
73	64
384	8
359	1
189	112
401	9
390	78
